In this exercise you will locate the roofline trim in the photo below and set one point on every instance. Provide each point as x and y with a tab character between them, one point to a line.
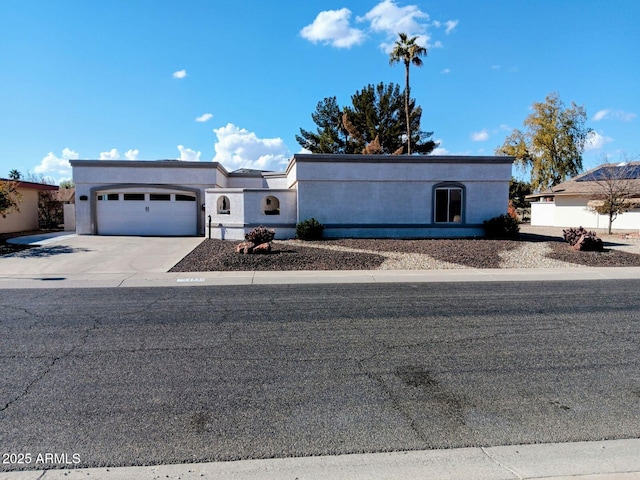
31	185
397	159
148	164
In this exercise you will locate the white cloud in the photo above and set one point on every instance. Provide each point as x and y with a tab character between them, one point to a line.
188	155
204	117
596	141
180	74
239	148
114	154
480	136
439	150
601	115
446	70
388	18
611	114
332	27
54	166
450	26
132	154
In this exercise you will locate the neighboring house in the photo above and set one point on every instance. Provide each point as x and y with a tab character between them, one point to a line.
352	195
568	203
27	218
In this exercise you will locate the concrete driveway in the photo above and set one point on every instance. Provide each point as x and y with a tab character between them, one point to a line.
86	254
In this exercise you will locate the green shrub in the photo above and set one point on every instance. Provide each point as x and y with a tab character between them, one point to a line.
309	229
502	226
260	235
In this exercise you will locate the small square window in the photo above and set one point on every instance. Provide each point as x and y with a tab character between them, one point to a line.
134	196
159	197
184	198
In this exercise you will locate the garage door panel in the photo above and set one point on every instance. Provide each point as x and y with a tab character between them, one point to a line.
128	215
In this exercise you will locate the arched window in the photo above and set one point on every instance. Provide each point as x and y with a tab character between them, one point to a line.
271	206
448	203
224	205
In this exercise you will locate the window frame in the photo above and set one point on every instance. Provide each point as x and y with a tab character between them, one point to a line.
181	197
449	187
108	197
159	197
134	197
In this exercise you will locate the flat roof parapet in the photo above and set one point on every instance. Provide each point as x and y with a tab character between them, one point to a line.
356	158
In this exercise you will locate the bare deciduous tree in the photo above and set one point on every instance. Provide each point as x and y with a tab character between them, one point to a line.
617	189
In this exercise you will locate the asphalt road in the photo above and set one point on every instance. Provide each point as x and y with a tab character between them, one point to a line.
141	376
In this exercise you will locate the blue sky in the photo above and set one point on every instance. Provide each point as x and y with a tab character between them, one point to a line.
234	81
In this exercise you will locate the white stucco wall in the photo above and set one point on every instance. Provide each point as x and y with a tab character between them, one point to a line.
395	196
433	169
266	180
69	215
543	214
572	211
245	182
227	226
246	212
276	181
89	175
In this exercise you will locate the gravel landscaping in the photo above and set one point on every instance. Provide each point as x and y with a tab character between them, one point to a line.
219	255
540	249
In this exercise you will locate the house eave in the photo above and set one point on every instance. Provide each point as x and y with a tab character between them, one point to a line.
397	159
148	164
20	184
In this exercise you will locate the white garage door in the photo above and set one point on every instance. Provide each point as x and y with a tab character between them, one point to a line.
151	214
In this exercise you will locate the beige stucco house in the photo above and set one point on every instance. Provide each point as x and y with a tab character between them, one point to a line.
27	218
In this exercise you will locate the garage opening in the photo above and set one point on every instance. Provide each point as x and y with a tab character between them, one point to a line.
154	213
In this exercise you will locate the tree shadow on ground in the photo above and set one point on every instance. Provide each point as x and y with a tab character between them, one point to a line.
536	238
44	252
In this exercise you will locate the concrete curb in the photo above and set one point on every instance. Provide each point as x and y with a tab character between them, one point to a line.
97	280
604	460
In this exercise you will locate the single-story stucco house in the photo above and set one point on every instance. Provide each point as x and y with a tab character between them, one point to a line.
568	203
352	195
26	219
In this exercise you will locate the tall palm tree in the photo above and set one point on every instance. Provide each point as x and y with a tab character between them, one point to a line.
406	50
